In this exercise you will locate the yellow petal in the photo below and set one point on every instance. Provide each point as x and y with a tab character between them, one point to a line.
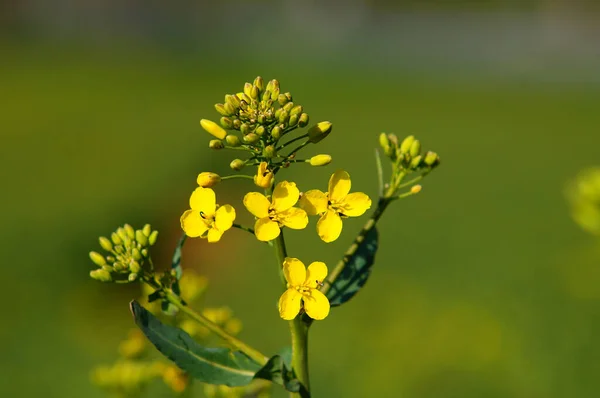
355	204
294	218
214	235
294	271
289	304
314	202
316	305
329	227
316	273
224	217
285	195
257	204
192	224
203	200
263	177
339	185
266	230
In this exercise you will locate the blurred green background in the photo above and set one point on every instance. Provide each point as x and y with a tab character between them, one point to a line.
483	286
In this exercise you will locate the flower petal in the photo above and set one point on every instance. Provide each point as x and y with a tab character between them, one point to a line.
192	224
289	304
316	305
257	204
316	273
355	204
266	230
224	217
285	195
204	200
294	271
314	202
339	185
329	227
214	235
294	218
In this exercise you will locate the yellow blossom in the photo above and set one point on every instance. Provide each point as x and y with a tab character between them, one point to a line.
334	205
263	177
204	219
207	179
279	211
302	290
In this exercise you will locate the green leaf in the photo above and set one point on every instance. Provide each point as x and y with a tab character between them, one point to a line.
176	264
357	270
209	365
279	371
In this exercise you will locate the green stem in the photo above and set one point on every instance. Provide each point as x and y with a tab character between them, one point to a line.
292	141
298	329
237	176
243	228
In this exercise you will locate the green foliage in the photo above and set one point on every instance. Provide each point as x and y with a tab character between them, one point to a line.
279	370
209	365
356	272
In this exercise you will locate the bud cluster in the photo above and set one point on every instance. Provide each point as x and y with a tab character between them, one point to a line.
407	155
128	251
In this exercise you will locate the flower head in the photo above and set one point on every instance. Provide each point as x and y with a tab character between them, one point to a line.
263	177
207	179
277	212
334	205
204	219
302	290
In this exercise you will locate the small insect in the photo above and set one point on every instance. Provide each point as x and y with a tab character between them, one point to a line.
319	283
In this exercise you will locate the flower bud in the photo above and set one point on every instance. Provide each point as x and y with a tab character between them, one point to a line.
213	128
116	239
297	110
147	229
293	120
319	131
221	109
288	107
415	189
320	160
248	90
260	130
303	120
237	164
151	240
141	238
97	258
432	159
233	140
275	90
226	122
384	143
269	152
237	124
254	92
416	161
132	277
407	143
135	267
105	243
263	177
245	128
216	144
283	117
251	138
415	148
207	179
101	275
258	82
276	132
129	231
232	100
282	99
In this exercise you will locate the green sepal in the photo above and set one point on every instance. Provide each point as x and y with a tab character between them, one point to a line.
356	272
209	365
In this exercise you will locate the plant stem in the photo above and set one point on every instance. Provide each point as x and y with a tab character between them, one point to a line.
298	329
174	299
243	228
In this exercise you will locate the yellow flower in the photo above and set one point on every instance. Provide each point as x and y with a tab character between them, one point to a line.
334	205
263	177
278	212
302	290
204	219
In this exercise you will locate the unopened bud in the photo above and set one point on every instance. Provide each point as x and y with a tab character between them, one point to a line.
129	231
293	120
432	159
135	267
415	148
288	107
226	122
269	151
416	161
132	277
297	110
237	124
105	243
216	144
136	254
254	92
384	143
274	90
151	240
319	131
221	109
260	130
213	128
245	128
247	89
407	143
276	132
141	238
237	164
97	258
251	138
320	160
415	189
233	140
101	275
303	120
258	82
282	99
207	179
283	117
116	239
147	229
232	100
263	177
